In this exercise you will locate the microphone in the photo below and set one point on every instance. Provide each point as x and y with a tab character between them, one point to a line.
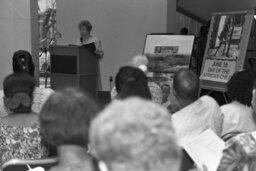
81	40
110	82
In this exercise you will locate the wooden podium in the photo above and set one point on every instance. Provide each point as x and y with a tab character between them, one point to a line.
74	66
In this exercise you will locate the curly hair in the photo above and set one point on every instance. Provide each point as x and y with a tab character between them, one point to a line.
85	23
240	87
65	117
136	132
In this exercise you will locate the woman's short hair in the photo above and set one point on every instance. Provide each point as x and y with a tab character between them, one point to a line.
131	81
85	23
134	131
65	117
18	92
240	86
22	62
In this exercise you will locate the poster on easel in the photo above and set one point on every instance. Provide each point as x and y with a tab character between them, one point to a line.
166	55
226	48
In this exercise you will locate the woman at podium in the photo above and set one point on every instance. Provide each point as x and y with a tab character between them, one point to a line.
92	43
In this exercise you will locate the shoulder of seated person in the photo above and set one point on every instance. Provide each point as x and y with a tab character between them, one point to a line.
209	100
1	92
230	106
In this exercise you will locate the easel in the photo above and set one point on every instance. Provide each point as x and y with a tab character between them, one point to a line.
245	47
223	94
220	94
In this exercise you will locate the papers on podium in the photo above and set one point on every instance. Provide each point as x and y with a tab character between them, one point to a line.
206	150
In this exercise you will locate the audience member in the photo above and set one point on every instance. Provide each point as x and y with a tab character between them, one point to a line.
22	63
238	113
64	122
193	115
135	134
131	81
19	130
240	151
166	90
141	61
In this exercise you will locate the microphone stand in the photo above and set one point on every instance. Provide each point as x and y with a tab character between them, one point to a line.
46	65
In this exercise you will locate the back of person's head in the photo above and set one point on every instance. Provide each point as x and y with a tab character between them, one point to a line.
203	30
135	134
65	117
22	62
131	81
186	85
184	31
18	92
240	85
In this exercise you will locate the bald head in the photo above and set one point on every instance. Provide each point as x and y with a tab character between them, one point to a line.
186	84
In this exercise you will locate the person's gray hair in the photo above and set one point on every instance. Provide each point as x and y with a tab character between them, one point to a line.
135	132
140	61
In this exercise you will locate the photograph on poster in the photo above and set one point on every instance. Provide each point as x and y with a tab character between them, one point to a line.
168	53
163	79
226	36
166	49
165	63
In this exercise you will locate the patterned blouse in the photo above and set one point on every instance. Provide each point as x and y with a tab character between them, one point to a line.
21	142
239	153
156	92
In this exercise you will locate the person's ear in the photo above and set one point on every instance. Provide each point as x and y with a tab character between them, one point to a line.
174	93
175	105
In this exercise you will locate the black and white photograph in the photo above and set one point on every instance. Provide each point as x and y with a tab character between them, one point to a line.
128	85
226	36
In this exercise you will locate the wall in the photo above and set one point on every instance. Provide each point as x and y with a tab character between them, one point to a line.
204	8
121	25
185	21
18	30
171	17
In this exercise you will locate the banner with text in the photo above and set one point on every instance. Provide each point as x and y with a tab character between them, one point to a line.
220	71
